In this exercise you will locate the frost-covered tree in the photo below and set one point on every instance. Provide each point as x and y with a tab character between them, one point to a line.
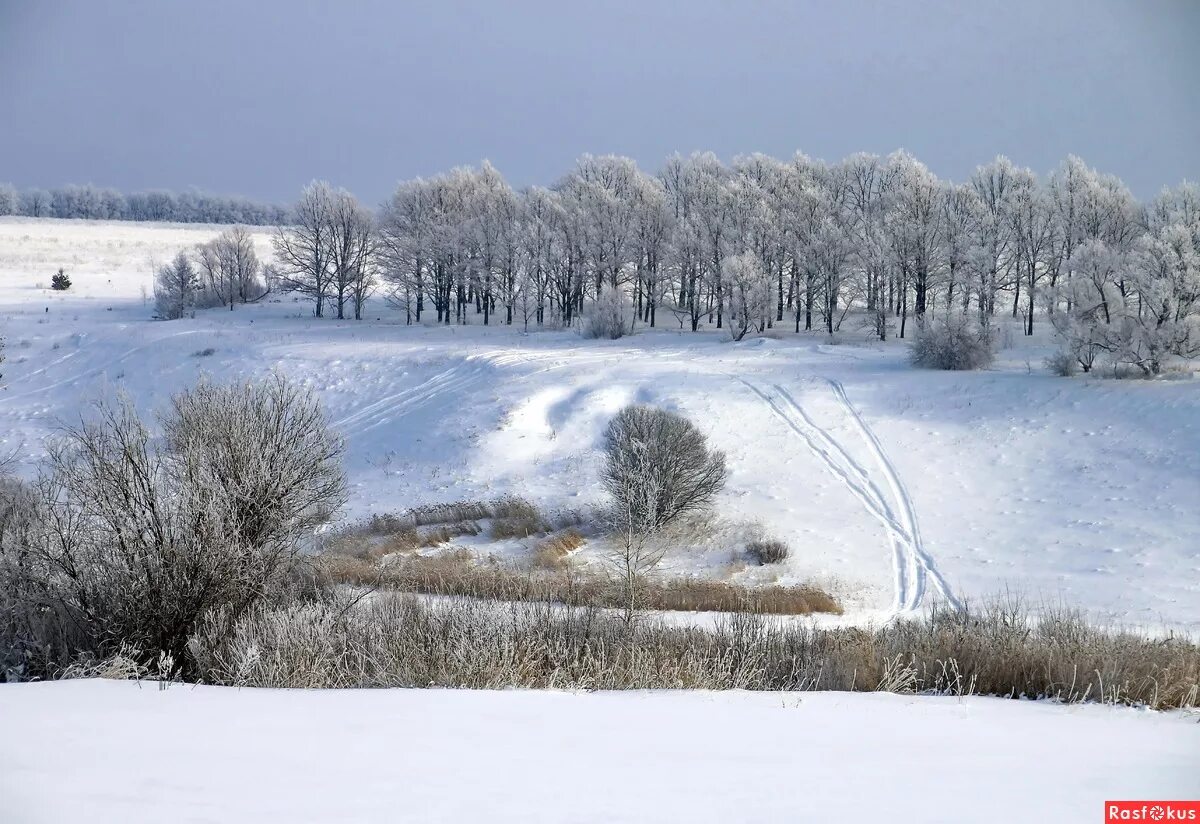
175	288
914	227
993	184
749	294
231	270
1032	223
351	233
1161	316
9	200
35	203
304	250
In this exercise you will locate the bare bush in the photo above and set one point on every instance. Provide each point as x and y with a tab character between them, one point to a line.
398	641
457	512
767	551
1063	364
129	544
264	448
952	344
608	318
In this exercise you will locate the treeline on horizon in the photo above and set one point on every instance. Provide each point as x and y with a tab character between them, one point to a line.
94	203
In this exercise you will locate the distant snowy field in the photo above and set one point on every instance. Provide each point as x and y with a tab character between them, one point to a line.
105	751
889	483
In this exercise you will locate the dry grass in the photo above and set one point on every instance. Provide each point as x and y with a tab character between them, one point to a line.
553	552
518	526
456	573
394	640
363	544
706	595
459	512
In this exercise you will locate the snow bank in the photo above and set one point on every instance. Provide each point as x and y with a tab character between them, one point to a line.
103	751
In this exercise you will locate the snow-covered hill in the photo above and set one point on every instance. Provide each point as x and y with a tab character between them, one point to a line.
892	485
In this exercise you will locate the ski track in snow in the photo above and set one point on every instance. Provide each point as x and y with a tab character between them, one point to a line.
94	372
912	565
472	368
907	510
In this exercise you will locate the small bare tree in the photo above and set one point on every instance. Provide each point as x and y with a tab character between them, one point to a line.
658	467
305	249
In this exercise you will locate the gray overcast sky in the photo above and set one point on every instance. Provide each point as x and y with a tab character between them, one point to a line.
258	97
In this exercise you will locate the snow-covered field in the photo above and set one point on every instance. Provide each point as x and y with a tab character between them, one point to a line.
104	751
892	485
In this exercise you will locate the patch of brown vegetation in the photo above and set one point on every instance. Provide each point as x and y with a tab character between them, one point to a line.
457	573
553	552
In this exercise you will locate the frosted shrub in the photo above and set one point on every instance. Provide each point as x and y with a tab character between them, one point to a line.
767	551
952	344
1062	363
129	542
607	318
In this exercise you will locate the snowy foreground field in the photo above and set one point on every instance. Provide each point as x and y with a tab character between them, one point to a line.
103	751
892	485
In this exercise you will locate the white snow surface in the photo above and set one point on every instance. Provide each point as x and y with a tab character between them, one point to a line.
108	751
893	486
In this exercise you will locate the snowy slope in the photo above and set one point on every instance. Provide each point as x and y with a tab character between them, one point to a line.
105	751
892	485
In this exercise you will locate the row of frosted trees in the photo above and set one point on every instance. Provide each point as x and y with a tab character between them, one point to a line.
93	203
762	242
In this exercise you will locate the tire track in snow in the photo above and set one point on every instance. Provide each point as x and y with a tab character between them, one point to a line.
907	510
911	564
813	440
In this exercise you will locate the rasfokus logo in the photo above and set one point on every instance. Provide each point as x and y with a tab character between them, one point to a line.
1152	811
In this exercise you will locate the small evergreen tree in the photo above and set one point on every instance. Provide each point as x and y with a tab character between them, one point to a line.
60	282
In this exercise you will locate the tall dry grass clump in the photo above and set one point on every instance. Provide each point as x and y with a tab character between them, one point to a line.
393	640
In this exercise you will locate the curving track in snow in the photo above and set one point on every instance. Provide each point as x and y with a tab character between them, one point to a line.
913	568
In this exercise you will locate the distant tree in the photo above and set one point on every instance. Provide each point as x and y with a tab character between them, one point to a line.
9	200
305	249
175	288
91	203
352	245
60	282
35	203
238	267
